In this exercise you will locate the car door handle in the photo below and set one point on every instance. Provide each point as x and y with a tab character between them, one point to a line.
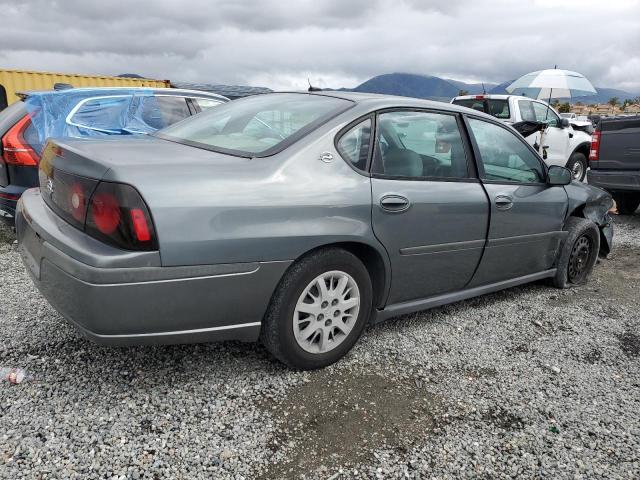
394	203
503	202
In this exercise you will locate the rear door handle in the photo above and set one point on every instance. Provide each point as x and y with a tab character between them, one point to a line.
394	203
503	202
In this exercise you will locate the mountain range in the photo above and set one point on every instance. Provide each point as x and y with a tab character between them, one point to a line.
443	89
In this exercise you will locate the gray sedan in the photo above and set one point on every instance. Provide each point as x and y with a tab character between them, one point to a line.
298	218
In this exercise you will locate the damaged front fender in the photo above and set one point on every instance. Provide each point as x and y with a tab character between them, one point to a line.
594	204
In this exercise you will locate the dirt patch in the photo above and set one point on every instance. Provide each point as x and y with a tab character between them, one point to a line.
616	277
630	344
503	419
6	234
340	418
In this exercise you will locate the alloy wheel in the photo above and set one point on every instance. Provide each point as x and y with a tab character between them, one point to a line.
577	170
326	312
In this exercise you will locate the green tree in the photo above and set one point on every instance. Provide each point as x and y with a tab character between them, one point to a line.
613	101
579	104
564	108
462	92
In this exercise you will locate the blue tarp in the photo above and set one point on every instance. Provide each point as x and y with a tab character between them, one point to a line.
87	112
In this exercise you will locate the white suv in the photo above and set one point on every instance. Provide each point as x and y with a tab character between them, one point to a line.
558	142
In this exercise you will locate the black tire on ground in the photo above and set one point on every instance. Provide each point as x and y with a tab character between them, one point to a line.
578	253
627	202
578	164
277	333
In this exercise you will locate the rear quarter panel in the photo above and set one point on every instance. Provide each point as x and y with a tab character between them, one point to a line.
262	209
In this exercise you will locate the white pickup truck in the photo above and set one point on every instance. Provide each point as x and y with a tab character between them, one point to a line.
558	142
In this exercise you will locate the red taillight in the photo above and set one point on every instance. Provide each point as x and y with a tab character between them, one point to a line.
140	226
479	97
117	215
105	212
594	152
15	149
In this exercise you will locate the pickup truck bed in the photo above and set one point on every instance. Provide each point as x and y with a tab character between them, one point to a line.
615	160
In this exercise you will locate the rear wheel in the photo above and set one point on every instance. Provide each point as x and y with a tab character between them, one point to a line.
578	253
578	165
319	310
627	202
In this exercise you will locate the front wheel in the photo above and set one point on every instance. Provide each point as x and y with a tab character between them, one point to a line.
578	165
578	253
319	310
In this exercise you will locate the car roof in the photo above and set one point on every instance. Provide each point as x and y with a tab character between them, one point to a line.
156	91
379	101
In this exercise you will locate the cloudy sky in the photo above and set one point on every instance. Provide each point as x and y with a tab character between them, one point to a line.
335	43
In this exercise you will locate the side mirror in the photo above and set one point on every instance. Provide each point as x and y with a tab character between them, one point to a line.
564	122
559	176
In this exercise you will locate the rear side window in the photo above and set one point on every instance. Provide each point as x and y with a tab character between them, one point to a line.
473	103
498	108
419	145
206	103
504	156
101	113
354	144
173	109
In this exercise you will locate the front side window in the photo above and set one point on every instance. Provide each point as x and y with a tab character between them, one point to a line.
544	114
419	144
354	144
257	125
504	156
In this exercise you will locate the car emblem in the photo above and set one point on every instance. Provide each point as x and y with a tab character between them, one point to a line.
326	157
50	185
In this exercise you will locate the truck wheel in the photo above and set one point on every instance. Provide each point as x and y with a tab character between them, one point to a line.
627	202
578	253
319	310
578	165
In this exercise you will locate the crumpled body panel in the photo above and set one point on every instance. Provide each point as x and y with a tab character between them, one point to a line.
595	204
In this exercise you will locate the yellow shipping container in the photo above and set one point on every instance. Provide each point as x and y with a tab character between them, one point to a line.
12	81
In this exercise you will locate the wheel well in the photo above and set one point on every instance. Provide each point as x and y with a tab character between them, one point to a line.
578	211
583	148
370	258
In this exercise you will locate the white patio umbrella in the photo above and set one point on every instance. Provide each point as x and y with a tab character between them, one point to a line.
548	84
552	83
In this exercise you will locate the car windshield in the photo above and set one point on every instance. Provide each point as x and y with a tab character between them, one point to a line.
256	126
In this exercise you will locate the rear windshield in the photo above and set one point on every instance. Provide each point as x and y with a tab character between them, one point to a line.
256	126
494	107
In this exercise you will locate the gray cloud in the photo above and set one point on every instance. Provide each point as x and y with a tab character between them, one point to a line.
334	42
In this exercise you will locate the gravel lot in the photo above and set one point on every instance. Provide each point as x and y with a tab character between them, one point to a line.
530	382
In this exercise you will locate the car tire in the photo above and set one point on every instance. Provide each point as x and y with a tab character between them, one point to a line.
627	202
285	327
578	253
578	165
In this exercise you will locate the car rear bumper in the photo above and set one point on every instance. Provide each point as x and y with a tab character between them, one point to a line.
142	304
615	180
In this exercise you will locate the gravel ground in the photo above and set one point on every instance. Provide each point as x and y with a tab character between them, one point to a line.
529	382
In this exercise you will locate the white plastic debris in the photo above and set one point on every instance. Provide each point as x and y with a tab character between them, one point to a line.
12	375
